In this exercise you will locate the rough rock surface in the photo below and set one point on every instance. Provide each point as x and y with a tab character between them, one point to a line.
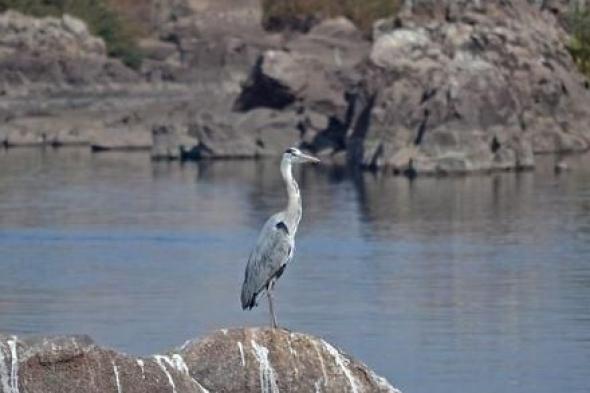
481	89
52	70
309	76
307	71
446	87
236	360
51	53
207	42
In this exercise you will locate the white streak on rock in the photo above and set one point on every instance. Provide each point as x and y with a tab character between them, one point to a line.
116	371
4	377
74	342
200	386
268	383
179	364
324	373
382	383
224	331
141	365
14	365
291	350
317	386
160	360
241	348
342	362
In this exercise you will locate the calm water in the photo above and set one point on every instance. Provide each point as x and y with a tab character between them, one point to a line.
478	284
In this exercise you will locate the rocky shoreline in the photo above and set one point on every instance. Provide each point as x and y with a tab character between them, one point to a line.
234	360
442	88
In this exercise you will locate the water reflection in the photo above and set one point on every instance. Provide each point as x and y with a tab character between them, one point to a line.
480	282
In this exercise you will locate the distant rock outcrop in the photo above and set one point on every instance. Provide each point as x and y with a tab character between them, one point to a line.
46	54
229	361
444	87
477	86
206	42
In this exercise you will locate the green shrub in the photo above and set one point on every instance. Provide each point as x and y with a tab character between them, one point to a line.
302	14
117	31
579	46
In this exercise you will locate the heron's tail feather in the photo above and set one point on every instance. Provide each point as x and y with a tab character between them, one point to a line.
248	297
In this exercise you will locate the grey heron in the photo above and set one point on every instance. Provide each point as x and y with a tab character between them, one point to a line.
276	243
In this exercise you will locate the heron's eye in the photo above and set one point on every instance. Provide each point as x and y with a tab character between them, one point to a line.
290	150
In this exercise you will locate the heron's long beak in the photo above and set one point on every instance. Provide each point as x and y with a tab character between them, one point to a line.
308	158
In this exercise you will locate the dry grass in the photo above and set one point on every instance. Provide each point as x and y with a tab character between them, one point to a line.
302	14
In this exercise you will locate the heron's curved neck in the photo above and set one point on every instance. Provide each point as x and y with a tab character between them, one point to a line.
293	210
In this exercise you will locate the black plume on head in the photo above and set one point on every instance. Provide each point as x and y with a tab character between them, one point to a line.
290	150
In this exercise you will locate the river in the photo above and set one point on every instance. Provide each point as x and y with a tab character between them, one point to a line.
470	284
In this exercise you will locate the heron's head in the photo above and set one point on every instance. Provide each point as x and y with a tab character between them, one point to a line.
295	156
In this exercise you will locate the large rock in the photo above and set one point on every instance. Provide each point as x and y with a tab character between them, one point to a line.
444	87
237	360
68	35
479	87
195	41
216	42
307	70
53	53
310	75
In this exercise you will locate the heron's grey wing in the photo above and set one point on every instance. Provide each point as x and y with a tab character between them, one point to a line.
267	260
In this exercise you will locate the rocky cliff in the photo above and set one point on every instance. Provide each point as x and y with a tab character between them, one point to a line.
446	87
236	360
443	87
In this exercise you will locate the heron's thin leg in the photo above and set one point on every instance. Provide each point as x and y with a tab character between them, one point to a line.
273	318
